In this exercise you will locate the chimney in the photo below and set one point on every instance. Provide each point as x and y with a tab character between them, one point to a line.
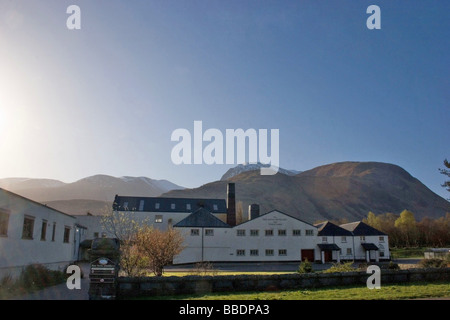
253	211
231	205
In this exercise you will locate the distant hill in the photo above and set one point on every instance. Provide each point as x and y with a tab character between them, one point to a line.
251	167
88	194
81	206
335	191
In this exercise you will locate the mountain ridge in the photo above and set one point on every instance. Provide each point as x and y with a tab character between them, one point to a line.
343	190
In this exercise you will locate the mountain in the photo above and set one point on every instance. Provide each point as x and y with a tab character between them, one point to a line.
340	190
88	194
251	167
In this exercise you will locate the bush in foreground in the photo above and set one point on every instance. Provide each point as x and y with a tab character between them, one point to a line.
305	267
433	263
341	267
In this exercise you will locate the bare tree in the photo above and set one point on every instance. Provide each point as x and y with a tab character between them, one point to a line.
159	247
125	226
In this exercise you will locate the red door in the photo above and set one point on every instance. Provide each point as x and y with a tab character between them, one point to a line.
307	254
328	255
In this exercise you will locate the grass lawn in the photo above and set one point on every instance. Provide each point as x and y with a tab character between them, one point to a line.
388	292
398	253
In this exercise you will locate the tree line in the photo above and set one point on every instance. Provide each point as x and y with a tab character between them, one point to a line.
405	231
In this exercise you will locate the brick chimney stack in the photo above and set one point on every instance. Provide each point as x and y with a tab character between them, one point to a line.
231	205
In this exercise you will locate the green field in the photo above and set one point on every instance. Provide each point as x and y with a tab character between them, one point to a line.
388	292
398	253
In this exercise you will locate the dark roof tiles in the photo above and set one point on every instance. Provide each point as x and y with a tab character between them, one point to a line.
201	218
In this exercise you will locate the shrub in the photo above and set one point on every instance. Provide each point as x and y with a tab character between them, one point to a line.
305	267
37	276
204	268
341	267
433	263
393	266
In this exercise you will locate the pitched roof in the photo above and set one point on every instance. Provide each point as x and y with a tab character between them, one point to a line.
359	228
35	202
330	229
262	215
201	218
160	204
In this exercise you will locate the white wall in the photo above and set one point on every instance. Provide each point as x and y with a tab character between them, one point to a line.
15	252
226	242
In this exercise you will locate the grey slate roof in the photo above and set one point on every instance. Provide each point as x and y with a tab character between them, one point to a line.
328	246
359	228
369	246
330	229
159	204
201	218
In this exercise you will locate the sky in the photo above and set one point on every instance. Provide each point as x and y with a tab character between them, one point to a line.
106	98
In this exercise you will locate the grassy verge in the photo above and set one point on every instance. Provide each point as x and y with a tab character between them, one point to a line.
414	253
388	292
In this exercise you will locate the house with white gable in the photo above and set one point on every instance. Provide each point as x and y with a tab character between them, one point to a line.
369	244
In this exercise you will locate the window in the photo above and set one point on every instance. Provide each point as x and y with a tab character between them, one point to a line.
282	252
4	222
269	233
170	222
209	232
282	233
381	239
66	234
381	247
44	230
141	205
349	251
95	235
195	232
254	252
254	233
28	227
215	207
157	205
362	238
269	252
158	218
240	252
296	232
54	231
240	233
125	205
343	239
188	206
324	239
172	206
309	232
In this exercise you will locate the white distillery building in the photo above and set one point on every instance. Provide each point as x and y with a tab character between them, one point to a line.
32	233
274	236
211	234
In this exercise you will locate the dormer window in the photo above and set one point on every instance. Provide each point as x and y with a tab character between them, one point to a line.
157	205
125	205
215	208
141	205
188	206
172	206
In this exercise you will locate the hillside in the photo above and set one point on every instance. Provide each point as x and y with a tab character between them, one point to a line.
335	191
88	194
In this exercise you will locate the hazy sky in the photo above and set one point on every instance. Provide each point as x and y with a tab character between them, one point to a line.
105	99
